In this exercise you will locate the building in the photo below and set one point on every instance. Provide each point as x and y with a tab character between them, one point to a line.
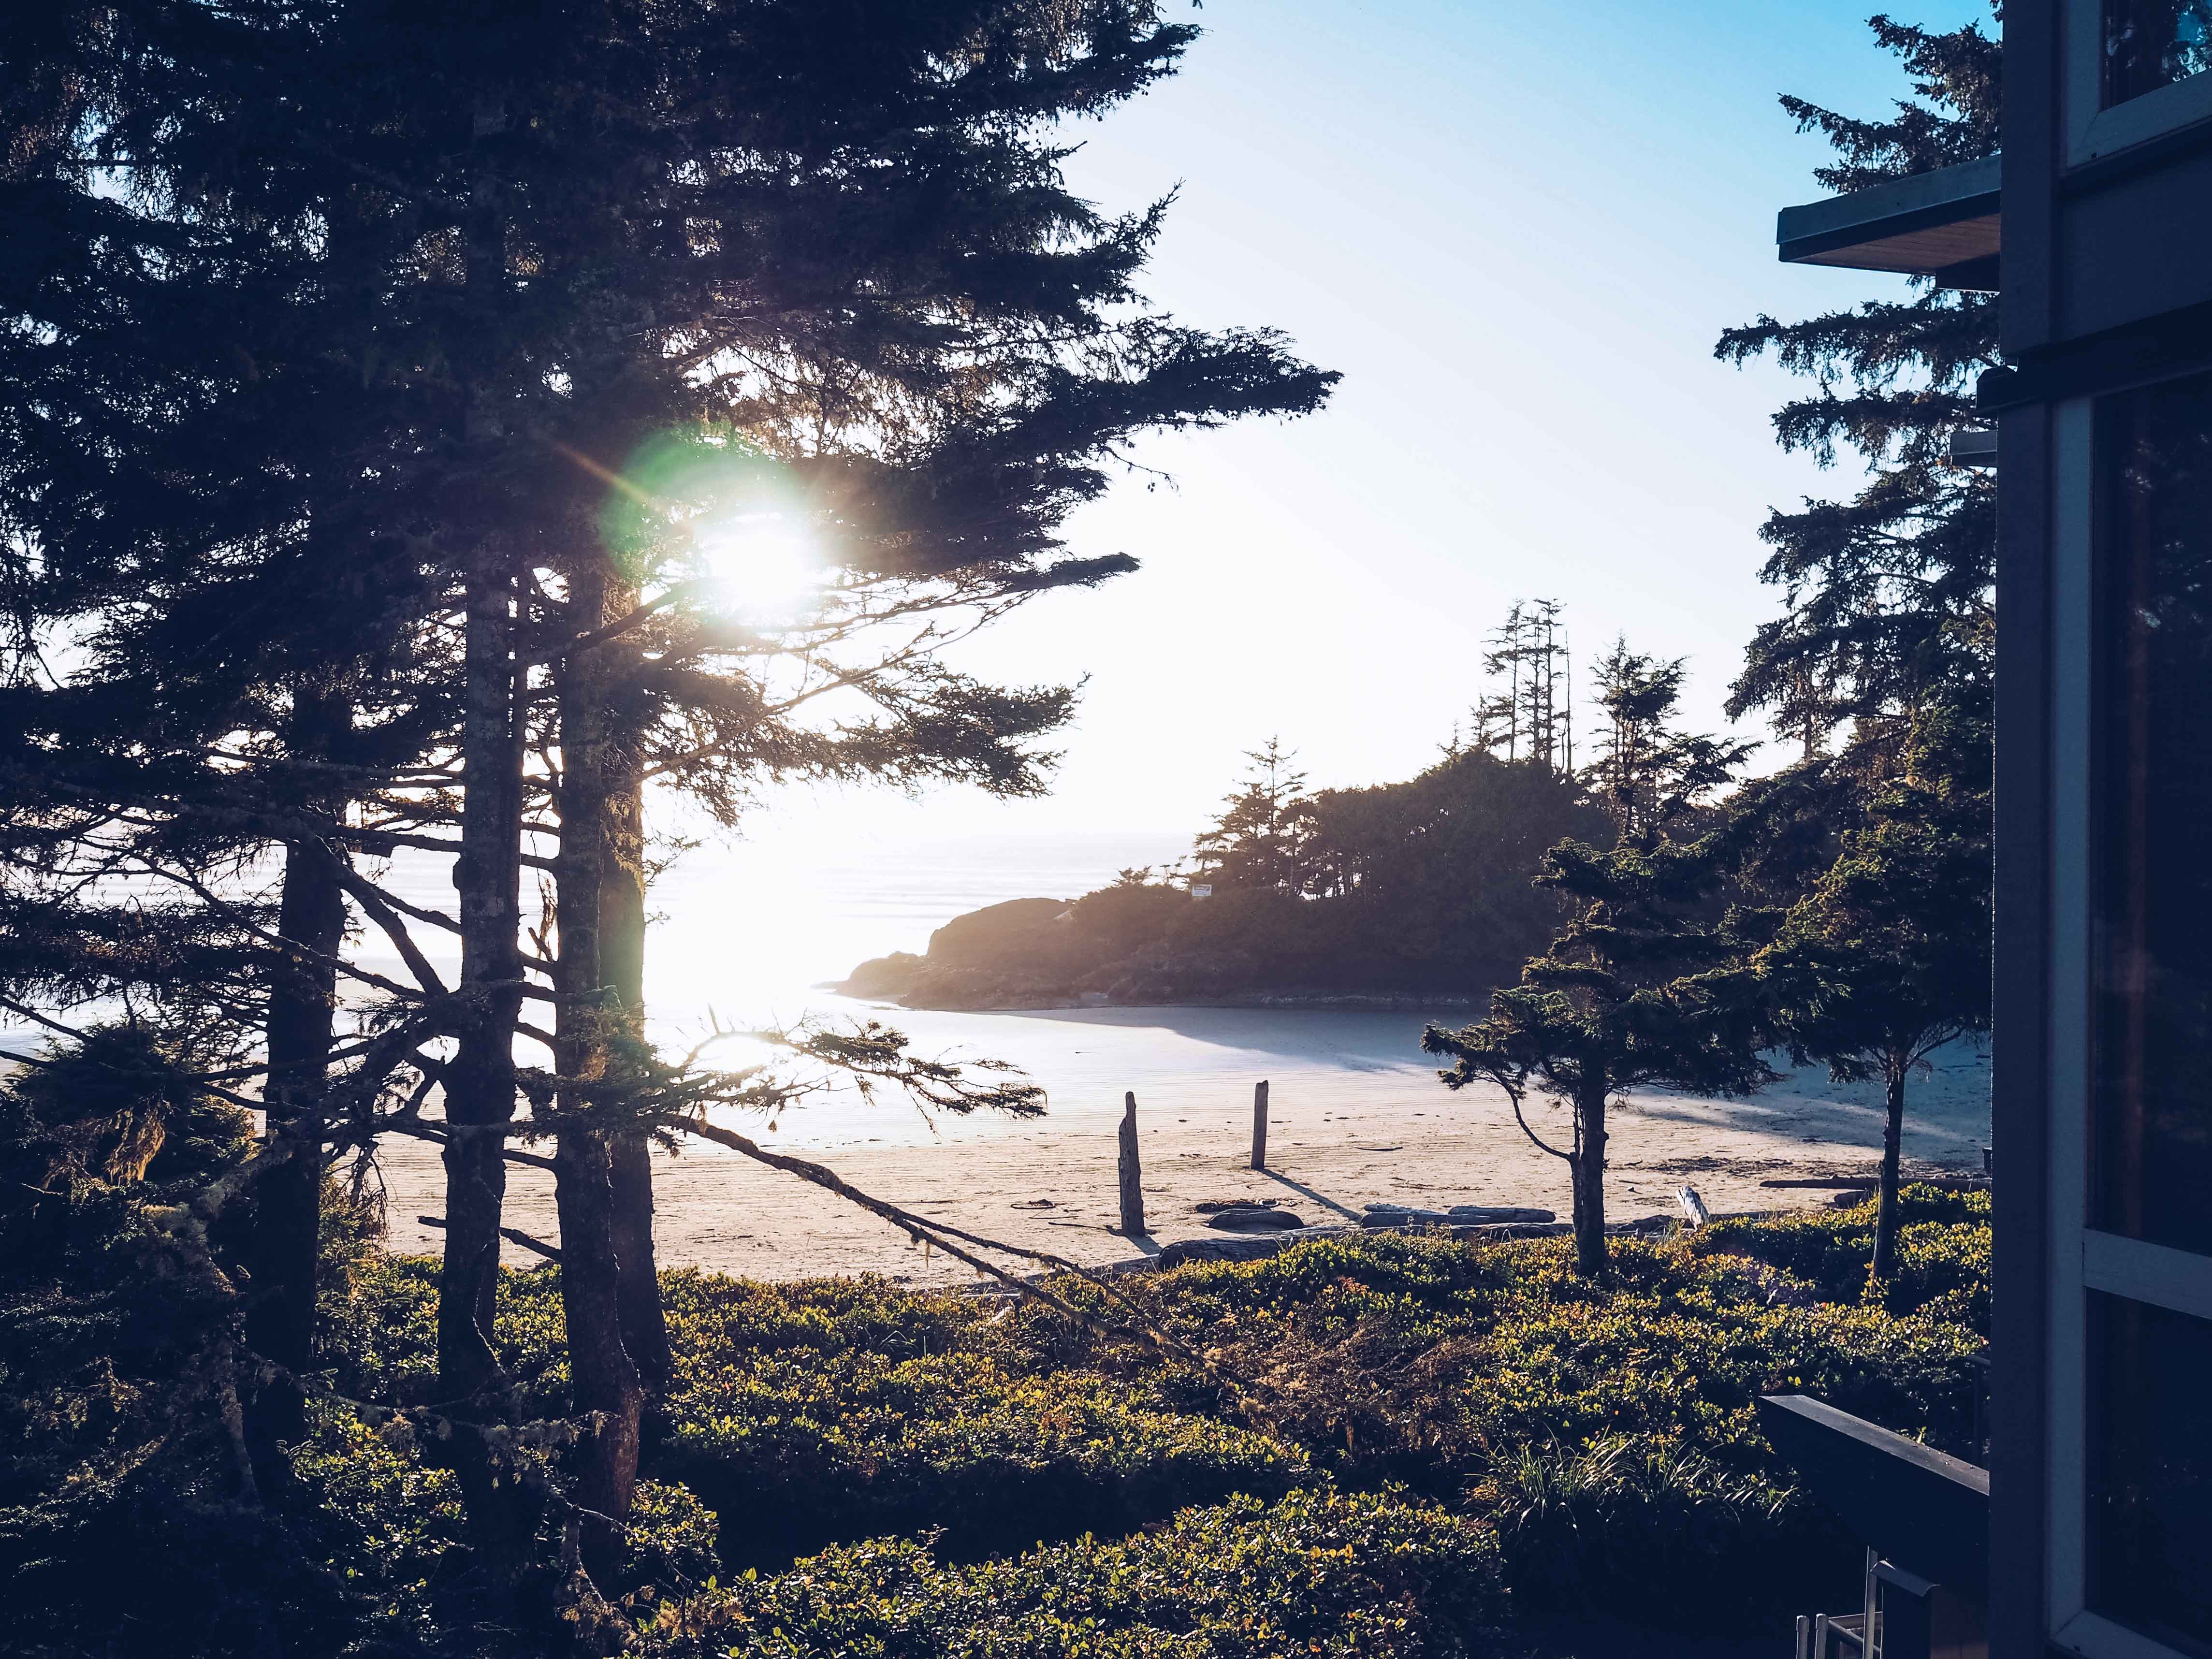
2095	226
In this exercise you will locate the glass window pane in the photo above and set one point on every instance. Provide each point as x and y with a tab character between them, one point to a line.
2152	1113
2149	44
2150	1492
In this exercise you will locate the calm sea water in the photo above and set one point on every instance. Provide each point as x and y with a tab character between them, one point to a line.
745	934
749	932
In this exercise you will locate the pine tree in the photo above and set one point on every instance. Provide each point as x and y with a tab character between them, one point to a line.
1872	864
1531	715
1887	958
1259	840
510	258
1889	593
1647	772
237	649
1637	988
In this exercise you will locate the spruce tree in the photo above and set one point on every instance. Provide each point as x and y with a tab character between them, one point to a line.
1867	870
1636	988
1530	716
1649	772
1887	958
505	258
1889	593
1259	842
169	476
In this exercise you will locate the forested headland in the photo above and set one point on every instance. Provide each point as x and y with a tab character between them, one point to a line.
1421	892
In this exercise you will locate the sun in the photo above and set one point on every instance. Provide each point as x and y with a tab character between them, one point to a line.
760	565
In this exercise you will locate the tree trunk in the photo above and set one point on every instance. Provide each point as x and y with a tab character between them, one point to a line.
604	1382
479	1084
1587	1172
480	1081
286	1244
622	967
1892	1134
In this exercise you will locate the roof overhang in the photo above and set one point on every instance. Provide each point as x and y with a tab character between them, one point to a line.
1943	224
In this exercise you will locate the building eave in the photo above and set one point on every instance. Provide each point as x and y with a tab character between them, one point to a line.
1944	224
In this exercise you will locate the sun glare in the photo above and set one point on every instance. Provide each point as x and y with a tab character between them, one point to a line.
763	566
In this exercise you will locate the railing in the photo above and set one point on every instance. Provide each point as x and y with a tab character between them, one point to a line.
1844	1635
1822	1637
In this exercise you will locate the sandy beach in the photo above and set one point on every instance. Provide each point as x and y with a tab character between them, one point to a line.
1348	1129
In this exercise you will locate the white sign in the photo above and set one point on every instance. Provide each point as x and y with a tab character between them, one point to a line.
1202	890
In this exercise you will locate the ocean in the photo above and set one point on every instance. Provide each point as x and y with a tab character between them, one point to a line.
745	932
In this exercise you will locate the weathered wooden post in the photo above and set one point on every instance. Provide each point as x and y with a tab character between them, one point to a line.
1132	1179
1260	1124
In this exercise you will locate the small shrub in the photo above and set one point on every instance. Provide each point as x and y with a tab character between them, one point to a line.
797	1451
670	1539
1316	1573
1654	1532
1943	1253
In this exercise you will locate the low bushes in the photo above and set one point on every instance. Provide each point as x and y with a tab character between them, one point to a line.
1317	1573
807	1415
799	1454
1433	1355
1442	1422
1653	1532
1943	1253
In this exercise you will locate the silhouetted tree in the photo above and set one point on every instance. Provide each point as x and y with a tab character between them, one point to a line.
1260	839
513	261
1636	988
1889	594
1531	715
1647	772
1887	958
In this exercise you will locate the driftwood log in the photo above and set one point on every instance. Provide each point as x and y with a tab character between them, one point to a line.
1255	1218
1458	1215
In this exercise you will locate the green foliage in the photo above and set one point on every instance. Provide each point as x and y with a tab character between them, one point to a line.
1439	1355
1887	956
1316	1573
119	1107
1944	1254
1260	839
845	1444
1890	594
1649	772
1446	1421
1655	1532
1607	1007
128	1521
1638	987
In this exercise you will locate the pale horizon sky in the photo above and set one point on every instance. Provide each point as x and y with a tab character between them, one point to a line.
1517	232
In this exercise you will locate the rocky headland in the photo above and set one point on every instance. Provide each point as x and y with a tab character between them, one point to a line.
1142	946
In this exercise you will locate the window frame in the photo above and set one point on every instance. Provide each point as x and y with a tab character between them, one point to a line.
2083	1259
2094	129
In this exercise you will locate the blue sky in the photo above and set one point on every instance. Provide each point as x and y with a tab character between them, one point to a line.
1517	230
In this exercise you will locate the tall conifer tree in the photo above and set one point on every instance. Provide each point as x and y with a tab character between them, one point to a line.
1889	592
510	250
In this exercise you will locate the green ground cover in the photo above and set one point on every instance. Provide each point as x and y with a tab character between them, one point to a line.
1457	1442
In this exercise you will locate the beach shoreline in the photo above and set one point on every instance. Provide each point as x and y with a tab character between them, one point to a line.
1346	1130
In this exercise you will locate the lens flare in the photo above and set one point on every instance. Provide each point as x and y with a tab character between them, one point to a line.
763	566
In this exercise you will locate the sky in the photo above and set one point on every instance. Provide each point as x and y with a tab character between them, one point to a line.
1517	232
